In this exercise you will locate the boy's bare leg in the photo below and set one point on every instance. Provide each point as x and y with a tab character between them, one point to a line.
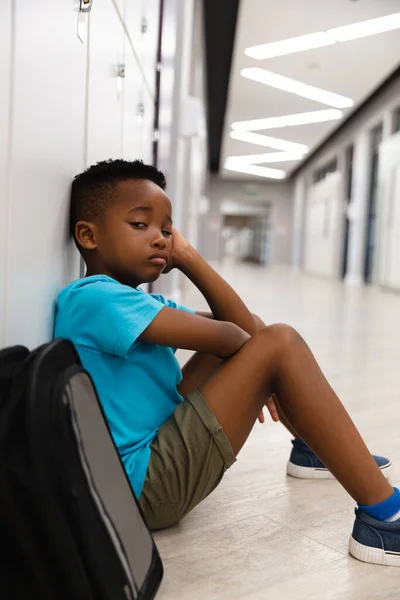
196	371
200	367
277	360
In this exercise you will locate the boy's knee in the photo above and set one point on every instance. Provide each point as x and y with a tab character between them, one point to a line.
259	322
283	336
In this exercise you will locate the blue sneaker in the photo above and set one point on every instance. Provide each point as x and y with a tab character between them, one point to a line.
304	464
376	542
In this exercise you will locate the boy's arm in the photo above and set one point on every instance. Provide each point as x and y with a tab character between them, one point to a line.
223	301
223	335
179	329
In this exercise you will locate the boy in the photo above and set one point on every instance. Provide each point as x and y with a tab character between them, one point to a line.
177	432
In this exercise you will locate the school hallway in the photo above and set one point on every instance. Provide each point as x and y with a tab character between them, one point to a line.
262	534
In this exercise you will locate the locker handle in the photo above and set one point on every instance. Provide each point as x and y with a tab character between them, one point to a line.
85	6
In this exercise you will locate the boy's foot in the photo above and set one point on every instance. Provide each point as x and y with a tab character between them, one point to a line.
304	464
376	542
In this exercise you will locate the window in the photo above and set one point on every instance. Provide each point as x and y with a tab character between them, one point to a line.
324	171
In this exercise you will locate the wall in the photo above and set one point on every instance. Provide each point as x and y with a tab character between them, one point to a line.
278	196
78	88
355	132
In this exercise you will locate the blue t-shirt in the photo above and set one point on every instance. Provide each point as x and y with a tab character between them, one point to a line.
136	381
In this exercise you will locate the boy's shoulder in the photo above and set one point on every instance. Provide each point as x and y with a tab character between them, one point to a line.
94	282
97	290
97	285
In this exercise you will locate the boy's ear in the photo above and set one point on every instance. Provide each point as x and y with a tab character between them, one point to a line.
85	235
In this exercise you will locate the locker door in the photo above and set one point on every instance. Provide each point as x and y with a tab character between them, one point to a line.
133	109
47	151
147	101
105	84
138	114
142	20
5	53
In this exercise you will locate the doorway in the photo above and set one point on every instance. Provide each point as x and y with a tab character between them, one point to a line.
246	238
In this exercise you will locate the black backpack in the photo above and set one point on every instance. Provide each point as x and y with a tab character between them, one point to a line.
70	525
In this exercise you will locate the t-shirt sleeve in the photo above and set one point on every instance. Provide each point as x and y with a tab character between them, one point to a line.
110	317
171	303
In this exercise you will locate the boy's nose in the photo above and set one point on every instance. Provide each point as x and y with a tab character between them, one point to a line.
159	242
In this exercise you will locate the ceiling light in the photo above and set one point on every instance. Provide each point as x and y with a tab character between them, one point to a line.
270	142
325	38
254	170
290	46
296	87
365	28
269	157
316	116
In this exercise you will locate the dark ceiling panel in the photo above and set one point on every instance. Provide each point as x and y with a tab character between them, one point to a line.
220	18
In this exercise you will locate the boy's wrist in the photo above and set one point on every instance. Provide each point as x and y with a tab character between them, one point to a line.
186	258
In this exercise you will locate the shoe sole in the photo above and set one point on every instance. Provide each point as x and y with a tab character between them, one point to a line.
374	556
315	473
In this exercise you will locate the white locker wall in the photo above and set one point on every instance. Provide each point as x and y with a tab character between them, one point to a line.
388	227
142	22
120	100
47	143
5	67
105	83
323	227
70	108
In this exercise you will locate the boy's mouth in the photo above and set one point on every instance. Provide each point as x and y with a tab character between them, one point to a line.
159	258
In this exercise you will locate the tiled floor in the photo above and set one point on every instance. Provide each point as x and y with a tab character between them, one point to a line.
262	535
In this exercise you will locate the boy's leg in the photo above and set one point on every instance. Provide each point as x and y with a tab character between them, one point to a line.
196	371
200	367
277	360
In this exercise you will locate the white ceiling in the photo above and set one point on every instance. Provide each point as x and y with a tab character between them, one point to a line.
352	68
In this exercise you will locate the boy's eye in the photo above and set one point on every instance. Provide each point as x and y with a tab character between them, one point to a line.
138	225
167	233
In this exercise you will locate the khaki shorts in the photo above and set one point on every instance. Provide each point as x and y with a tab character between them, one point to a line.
188	459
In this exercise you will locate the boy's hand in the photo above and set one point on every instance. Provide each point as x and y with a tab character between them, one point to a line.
270	404
180	247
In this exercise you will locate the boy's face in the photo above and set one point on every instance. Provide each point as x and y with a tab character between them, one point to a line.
134	238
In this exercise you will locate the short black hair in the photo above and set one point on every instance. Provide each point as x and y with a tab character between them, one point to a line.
93	190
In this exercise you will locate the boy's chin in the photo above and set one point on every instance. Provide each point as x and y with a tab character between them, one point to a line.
153	278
